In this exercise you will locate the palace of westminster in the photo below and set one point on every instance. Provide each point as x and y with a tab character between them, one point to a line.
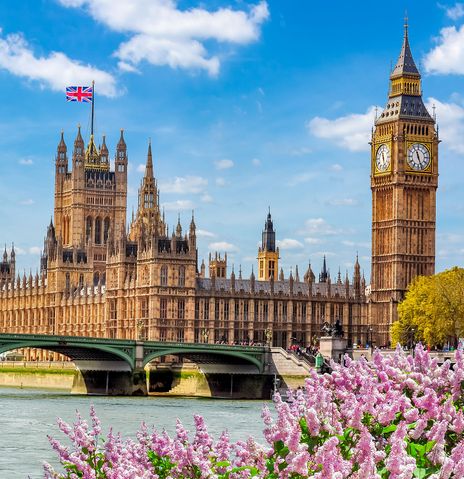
98	277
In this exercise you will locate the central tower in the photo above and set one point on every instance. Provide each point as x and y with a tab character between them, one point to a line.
404	179
268	254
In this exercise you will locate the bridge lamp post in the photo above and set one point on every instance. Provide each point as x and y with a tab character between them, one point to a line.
370	331
411	344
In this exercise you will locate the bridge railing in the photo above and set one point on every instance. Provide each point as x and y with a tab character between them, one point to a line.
168	344
37	364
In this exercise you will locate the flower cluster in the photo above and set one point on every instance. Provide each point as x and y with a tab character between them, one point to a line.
397	417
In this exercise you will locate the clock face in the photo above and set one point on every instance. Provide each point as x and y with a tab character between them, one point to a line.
418	157
382	158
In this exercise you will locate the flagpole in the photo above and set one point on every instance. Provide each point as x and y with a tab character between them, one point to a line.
93	101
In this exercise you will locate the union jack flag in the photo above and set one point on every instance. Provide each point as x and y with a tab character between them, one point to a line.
79	93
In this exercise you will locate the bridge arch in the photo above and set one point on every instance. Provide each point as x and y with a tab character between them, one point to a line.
183	351
67	348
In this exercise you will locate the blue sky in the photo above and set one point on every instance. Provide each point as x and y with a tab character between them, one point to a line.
247	103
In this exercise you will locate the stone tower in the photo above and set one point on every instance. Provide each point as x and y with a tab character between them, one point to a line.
148	215
217	265
268	254
90	200
404	179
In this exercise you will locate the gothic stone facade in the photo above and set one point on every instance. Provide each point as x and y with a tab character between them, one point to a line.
404	179
98	278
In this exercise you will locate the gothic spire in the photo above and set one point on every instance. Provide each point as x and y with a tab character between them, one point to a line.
405	64
323	276
309	275
268	236
78	141
178	227
192	223
62	145
405	95
121	142
149	165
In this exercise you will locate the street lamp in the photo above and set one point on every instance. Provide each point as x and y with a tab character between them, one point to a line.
370	334
411	340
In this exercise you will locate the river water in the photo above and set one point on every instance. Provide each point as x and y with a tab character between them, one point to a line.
28	415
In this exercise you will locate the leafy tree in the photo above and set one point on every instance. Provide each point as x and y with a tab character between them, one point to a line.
433	309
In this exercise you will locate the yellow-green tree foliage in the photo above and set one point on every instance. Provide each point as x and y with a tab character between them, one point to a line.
432	310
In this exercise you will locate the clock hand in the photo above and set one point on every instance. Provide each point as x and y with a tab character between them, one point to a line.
417	154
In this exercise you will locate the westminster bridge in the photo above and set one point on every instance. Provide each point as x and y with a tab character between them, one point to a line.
120	366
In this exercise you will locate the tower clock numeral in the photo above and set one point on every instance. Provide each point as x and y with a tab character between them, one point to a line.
382	158
418	157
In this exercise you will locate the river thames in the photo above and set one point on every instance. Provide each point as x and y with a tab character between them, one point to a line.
28	415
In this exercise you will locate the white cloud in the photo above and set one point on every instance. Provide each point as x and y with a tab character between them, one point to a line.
178	205
205	234
311	240
26	161
184	185
31	250
450	117
448	56
141	168
343	202
220	182
27	202
162	51
350	131
289	243
256	162
222	246
336	167
223	164
167	35
318	226
456	12
54	71
127	67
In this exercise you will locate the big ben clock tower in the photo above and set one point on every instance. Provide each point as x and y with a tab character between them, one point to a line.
404	179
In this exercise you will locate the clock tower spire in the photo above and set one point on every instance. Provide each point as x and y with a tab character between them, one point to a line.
404	179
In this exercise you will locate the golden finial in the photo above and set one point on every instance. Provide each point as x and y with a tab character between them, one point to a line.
405	23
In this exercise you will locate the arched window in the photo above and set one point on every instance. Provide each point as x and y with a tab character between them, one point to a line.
181	276
97	230
96	278
164	276
81	280
88	228
68	281
106	230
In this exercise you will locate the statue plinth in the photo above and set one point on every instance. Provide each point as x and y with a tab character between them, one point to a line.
332	347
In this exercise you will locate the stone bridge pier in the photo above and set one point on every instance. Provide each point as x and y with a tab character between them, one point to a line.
113	378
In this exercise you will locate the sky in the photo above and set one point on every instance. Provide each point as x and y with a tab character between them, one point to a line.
248	104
